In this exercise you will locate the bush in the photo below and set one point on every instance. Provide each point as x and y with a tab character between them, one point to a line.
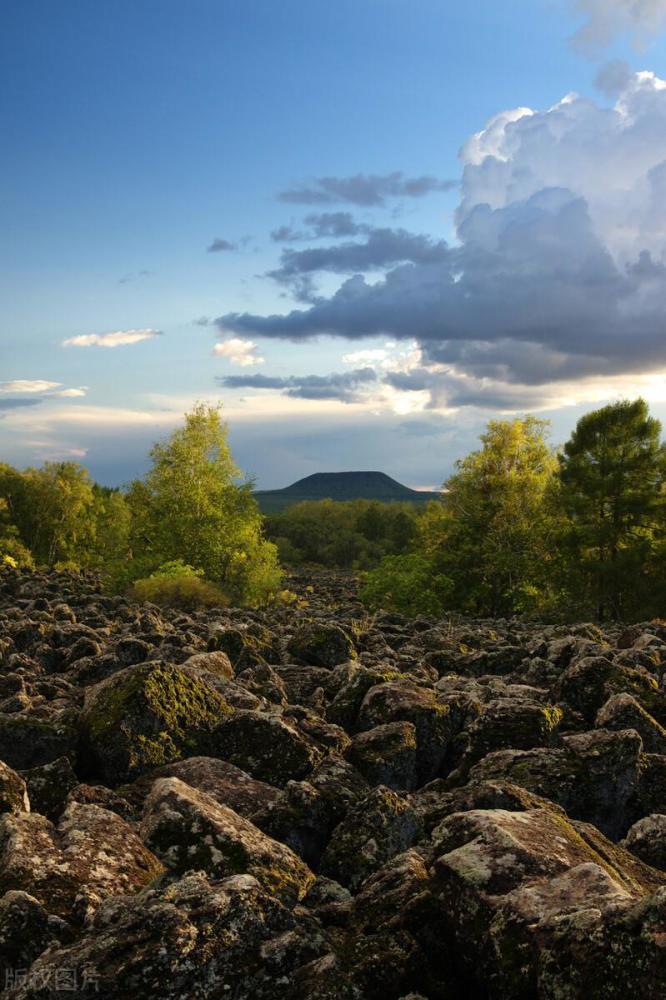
14	553
174	569
406	584
177	585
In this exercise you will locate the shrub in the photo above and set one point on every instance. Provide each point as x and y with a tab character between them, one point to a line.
175	568
184	592
177	585
406	584
14	553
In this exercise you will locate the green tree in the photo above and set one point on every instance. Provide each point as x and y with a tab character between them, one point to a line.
12	550
371	522
612	473
190	506
110	547
53	510
494	534
407	584
486	546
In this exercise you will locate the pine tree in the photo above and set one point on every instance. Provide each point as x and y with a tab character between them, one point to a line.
612	474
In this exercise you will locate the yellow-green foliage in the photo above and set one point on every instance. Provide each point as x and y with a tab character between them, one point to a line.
406	584
14	553
186	592
190	506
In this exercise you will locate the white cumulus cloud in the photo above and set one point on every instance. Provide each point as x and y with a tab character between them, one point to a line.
71	393
238	352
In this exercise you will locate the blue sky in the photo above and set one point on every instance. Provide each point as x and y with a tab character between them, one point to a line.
138	133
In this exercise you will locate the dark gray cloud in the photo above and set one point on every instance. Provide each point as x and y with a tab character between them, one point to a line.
558	275
532	295
220	246
322	224
446	389
382	248
364	189
287	234
335	224
15	403
343	386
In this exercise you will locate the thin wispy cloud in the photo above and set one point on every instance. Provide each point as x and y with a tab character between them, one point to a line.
613	77
342	386
28	385
118	338
220	245
75	393
324	224
640	20
363	189
17	402
39	387
133	276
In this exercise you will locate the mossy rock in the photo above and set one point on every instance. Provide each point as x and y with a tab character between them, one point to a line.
27	930
49	785
386	755
508	724
147	716
307	812
594	776
588	684
13	791
622	711
510	903
27	741
321	644
374	830
344	708
404	701
245	648
647	840
190	830
266	746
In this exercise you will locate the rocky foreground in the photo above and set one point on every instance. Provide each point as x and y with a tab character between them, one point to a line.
310	802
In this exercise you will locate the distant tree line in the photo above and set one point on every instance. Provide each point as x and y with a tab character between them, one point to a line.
348	534
521	527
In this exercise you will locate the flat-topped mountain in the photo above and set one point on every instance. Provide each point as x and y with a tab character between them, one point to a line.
341	486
